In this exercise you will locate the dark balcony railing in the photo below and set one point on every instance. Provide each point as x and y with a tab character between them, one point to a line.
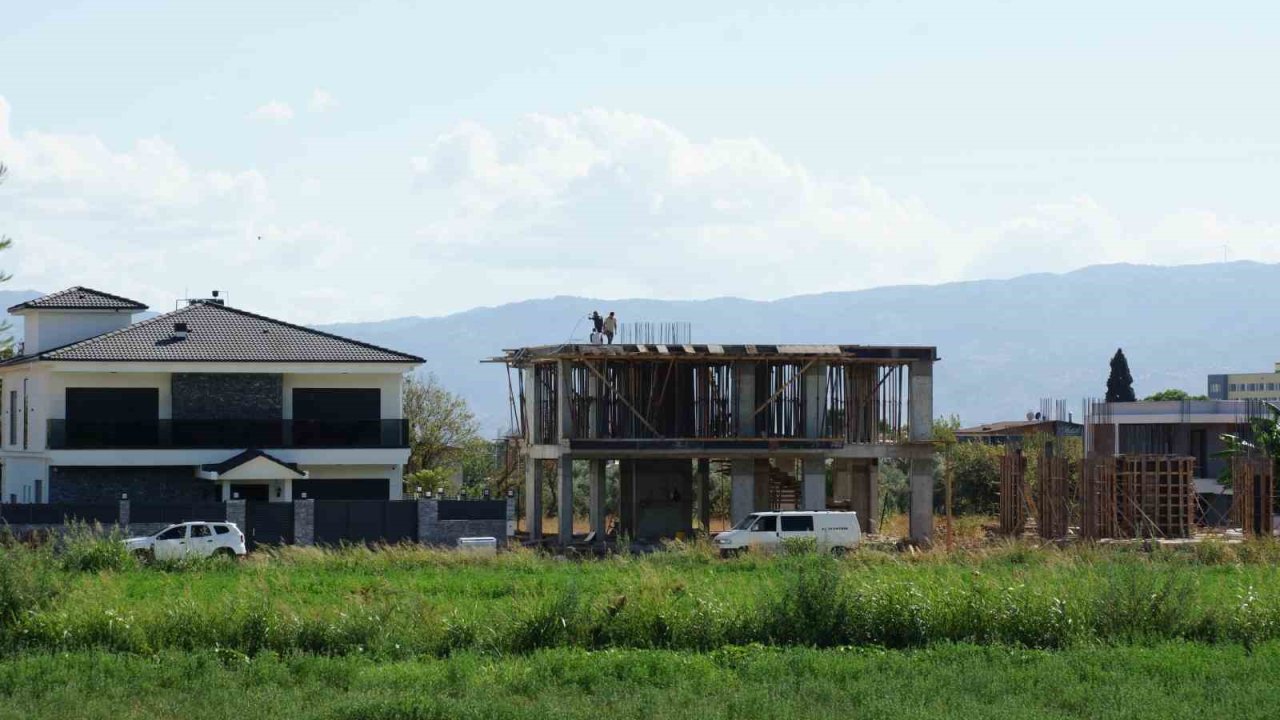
228	434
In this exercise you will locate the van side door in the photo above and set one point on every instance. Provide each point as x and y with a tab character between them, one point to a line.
795	526
764	533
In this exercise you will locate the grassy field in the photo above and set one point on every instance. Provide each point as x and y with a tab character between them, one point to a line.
403	602
1011	629
1164	681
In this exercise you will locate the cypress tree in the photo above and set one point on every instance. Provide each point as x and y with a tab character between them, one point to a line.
1120	382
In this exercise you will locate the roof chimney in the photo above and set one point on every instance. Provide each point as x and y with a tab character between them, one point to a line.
179	331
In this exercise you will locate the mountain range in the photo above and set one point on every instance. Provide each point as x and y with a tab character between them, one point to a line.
1004	343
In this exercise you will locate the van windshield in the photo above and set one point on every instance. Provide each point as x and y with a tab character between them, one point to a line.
746	522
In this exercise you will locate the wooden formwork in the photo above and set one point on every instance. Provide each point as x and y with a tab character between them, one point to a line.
1053	496
1013	493
1098	517
1156	496
1253	495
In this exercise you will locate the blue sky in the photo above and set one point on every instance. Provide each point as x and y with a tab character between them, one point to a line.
417	159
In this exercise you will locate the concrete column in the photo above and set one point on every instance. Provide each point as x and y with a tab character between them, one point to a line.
428	511
304	522
742	497
704	494
920	416
564	398
122	518
531	403
395	484
286	493
745	380
865	492
533	497
922	500
564	494
596	389
761	468
596	476
813	485
226	491
627	496
815	399
920	399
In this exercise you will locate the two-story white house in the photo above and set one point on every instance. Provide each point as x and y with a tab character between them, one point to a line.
205	403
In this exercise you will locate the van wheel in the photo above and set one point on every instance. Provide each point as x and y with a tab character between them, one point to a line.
839	551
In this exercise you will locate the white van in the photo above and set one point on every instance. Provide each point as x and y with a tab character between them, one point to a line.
835	532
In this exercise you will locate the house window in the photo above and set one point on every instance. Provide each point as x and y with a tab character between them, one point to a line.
1233	387
26	412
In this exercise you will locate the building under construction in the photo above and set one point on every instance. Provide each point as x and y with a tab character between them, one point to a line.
782	417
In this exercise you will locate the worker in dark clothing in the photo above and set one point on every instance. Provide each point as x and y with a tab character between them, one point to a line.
597	322
610	327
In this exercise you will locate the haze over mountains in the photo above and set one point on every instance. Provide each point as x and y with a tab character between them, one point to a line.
1004	343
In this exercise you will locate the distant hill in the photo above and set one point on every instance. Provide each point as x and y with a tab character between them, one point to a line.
1004	343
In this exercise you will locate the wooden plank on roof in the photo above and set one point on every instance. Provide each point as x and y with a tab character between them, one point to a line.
662	349
751	349
715	349
808	349
689	349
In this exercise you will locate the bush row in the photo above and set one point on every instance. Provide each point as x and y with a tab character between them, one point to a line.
810	600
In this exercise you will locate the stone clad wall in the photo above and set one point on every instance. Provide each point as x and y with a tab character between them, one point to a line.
159	485
228	396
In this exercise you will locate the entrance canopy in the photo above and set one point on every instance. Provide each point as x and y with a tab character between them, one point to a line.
251	466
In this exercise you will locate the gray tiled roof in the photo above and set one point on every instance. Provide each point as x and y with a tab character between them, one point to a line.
217	333
80	298
239	459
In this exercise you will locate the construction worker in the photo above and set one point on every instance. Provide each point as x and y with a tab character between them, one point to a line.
597	327
610	327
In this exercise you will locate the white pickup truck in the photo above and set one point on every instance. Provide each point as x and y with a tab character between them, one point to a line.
189	540
834	532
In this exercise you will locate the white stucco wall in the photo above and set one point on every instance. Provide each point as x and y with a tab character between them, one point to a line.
20	474
389	385
46	329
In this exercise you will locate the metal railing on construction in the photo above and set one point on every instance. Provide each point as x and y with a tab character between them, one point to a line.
644	332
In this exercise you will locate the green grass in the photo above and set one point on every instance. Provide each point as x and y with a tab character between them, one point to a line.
1180	680
400	603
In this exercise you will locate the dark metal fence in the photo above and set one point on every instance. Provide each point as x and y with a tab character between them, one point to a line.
58	513
472	510
367	521
176	513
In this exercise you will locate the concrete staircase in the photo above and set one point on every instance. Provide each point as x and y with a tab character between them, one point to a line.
784	490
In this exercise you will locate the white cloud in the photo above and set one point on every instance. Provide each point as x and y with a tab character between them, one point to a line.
596	203
321	101
274	111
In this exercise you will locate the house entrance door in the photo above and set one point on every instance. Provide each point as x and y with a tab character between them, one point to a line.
251	492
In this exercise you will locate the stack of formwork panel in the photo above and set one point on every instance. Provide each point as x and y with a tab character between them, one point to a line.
1253	495
1155	496
1013	492
1098	518
1053	505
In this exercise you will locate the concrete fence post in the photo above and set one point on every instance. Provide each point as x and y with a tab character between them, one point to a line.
511	518
236	513
428	514
304	522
